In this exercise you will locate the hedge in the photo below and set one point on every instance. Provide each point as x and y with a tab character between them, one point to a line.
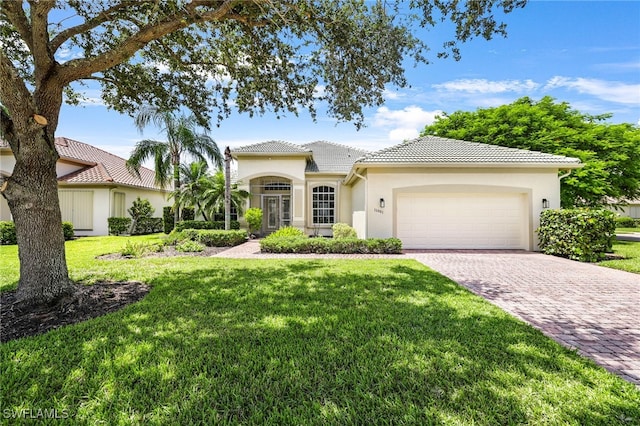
147	225
221	238
168	219
8	232
578	234
626	222
327	245
200	224
119	225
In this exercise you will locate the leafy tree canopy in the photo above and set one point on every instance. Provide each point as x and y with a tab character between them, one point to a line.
611	152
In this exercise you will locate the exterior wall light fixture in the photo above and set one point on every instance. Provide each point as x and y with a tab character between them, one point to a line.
545	203
382	203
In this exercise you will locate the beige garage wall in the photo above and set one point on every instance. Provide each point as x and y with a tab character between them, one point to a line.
387	182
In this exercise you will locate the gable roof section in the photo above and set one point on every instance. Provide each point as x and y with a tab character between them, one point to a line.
435	150
329	157
271	148
101	167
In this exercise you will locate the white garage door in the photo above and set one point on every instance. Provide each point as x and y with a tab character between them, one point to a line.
462	221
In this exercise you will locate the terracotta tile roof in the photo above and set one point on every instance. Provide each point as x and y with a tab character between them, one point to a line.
437	150
271	147
332	157
101	166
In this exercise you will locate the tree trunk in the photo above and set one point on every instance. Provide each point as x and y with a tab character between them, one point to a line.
176	185
227	189
32	195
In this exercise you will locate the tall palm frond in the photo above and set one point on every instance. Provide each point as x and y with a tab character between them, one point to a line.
182	137
213	195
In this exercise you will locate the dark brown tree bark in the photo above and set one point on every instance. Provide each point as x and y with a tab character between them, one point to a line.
32	195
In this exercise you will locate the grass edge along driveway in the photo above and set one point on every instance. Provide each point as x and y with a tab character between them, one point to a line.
304	342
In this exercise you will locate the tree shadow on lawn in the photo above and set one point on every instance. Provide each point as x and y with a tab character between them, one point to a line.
318	342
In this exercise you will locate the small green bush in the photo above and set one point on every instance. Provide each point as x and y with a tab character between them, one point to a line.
139	249
168	219
119	225
342	230
175	238
578	234
188	213
190	247
287	231
8	233
253	216
625	222
293	244
200	224
67	230
221	238
147	225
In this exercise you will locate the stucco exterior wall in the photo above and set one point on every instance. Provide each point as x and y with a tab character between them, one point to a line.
103	198
289	167
386	183
342	200
358	207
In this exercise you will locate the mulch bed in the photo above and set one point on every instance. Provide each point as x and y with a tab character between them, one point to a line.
21	320
168	251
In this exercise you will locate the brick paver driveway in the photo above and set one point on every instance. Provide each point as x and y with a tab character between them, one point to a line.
593	309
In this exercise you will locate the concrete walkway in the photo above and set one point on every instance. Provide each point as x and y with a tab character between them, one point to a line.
593	309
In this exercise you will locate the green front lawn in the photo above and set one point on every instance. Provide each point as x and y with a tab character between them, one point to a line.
299	342
627	230
631	251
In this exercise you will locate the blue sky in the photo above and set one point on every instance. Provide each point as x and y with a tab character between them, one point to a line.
586	53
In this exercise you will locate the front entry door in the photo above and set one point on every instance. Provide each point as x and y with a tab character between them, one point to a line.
272	213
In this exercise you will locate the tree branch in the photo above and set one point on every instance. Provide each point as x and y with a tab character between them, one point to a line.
104	16
14	95
14	12
42	56
82	68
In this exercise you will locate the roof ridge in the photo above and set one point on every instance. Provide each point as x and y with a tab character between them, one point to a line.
104	172
336	144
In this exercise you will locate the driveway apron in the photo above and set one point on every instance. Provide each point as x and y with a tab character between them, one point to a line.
592	309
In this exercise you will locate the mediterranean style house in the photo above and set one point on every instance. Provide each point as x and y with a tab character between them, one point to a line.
93	185
430	192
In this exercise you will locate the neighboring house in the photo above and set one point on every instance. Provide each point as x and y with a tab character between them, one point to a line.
631	209
431	192
93	185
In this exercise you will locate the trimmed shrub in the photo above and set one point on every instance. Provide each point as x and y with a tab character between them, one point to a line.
292	244
67	230
8	233
221	238
200	224
625	222
190	247
119	225
147	225
168	219
578	234
188	213
253	216
342	230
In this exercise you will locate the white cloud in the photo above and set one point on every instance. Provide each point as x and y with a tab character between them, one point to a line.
487	86
405	123
612	91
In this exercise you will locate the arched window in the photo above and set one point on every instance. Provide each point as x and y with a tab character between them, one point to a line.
323	205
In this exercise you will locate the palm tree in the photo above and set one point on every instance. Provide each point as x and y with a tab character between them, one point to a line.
195	179
213	195
182	137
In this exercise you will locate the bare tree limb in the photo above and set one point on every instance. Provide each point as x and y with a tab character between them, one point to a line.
104	16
